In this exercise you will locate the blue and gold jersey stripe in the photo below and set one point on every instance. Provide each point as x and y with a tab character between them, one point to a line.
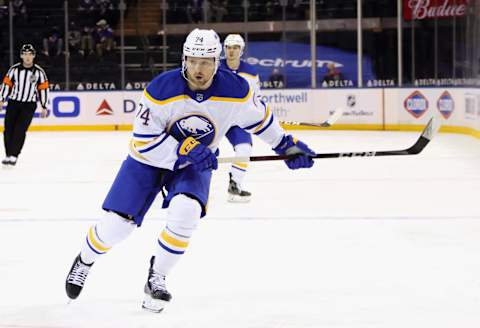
142	135
165	101
154	144
185	96
229	99
133	148
267	115
248	75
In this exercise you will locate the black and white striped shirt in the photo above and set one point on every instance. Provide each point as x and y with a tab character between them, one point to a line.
25	84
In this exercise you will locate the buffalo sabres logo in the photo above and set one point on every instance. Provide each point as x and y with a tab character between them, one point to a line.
196	126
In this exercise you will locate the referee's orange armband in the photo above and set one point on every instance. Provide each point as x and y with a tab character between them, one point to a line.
43	86
7	81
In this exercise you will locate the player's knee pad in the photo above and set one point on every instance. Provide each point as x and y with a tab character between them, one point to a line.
243	150
183	215
112	228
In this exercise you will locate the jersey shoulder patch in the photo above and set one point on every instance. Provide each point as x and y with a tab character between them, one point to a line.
166	86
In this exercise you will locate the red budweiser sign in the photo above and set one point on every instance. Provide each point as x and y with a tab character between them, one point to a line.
429	9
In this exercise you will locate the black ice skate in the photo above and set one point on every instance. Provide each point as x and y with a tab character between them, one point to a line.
156	293
76	277
9	161
235	194
12	160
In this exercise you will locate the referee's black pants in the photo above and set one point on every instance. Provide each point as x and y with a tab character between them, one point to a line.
17	120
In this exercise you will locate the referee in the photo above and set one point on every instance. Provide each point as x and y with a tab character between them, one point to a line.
24	84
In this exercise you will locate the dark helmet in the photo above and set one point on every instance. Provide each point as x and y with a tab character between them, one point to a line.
27	48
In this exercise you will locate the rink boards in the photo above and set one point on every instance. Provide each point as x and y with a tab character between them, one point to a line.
369	109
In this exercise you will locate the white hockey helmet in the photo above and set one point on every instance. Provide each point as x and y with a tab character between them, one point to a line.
204	44
234	40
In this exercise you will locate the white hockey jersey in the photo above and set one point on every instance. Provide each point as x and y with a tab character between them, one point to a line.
169	112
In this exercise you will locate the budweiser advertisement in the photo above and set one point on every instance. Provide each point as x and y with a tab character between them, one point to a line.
431	9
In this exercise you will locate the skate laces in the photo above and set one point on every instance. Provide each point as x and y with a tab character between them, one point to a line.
233	187
79	274
157	281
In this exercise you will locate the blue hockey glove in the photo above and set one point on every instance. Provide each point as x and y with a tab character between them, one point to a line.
291	146
193	152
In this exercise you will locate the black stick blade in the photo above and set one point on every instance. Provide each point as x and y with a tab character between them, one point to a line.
430	130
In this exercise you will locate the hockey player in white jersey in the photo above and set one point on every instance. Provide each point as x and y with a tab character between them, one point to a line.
182	116
241	140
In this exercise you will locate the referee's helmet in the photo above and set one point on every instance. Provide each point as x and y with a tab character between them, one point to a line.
27	48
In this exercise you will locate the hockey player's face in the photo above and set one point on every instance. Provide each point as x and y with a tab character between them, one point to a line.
233	52
200	70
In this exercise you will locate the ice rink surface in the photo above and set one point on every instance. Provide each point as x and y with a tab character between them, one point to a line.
365	243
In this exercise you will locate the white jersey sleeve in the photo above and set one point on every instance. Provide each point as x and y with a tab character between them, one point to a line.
257	118
253	81
151	144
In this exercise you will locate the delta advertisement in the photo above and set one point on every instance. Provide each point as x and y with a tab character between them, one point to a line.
116	109
281	65
295	67
390	108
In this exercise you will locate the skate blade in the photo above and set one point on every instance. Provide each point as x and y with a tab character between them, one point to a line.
7	166
238	199
153	305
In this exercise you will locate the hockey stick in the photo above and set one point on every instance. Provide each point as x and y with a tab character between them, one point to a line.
427	134
337	113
